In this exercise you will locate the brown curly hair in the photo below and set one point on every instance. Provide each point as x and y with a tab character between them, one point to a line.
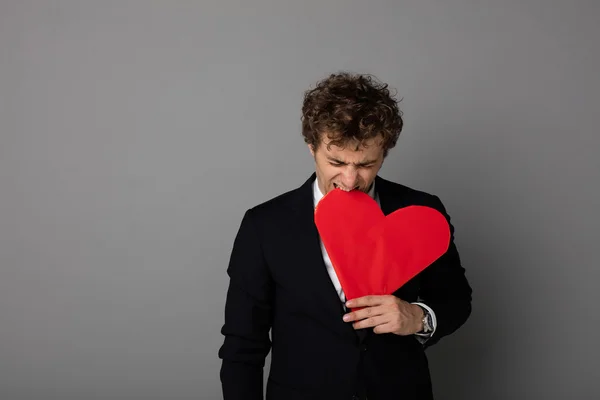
351	108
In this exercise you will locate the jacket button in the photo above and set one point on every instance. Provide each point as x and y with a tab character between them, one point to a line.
363	347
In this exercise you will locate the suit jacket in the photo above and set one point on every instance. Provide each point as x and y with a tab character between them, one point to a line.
279	285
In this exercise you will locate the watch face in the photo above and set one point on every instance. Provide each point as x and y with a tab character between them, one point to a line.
427	323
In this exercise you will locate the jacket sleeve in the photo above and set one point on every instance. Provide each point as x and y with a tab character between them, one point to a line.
444	287
248	317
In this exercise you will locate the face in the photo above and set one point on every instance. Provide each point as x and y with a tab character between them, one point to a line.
347	168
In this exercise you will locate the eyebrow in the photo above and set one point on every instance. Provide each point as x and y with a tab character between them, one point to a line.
359	164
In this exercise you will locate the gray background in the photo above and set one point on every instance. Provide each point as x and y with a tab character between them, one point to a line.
133	136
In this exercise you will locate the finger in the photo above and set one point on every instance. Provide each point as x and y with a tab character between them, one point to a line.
383	328
366	301
371	322
364	313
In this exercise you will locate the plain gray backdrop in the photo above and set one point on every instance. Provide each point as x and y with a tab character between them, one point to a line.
134	135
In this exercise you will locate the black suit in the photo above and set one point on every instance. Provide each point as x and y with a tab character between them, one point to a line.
278	281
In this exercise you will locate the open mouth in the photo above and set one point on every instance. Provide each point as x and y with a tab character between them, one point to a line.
344	189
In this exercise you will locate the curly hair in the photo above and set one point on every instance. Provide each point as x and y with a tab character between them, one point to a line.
351	108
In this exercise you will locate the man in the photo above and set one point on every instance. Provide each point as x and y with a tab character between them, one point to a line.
281	278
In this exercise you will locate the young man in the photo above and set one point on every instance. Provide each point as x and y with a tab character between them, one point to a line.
281	278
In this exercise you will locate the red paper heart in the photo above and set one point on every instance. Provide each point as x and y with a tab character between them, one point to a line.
374	254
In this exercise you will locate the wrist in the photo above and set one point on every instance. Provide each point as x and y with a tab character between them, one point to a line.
419	316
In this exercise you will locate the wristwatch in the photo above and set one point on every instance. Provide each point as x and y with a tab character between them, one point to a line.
427	321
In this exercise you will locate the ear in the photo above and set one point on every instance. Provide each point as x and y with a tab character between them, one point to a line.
311	149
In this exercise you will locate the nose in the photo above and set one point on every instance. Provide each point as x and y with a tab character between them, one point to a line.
350	178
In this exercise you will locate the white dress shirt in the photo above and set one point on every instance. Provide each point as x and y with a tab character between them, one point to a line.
318	195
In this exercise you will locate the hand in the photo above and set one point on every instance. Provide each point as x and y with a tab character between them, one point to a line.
386	314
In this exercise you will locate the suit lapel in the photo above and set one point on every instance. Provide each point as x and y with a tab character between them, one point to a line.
389	201
315	276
